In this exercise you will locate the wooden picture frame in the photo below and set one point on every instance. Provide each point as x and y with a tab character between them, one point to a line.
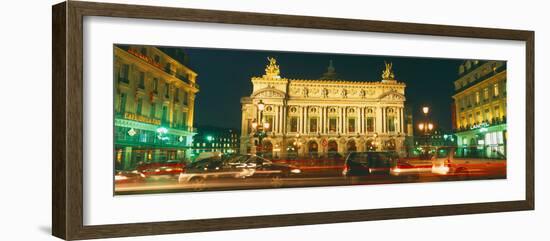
67	137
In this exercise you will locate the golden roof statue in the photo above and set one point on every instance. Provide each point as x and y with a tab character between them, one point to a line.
272	69
387	74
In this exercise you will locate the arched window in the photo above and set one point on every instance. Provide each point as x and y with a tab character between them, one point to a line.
350	146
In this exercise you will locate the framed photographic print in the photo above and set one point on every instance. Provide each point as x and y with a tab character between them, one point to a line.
211	120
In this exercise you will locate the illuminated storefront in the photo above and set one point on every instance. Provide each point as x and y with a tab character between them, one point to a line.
487	141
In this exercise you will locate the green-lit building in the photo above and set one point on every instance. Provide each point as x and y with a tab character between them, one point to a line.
153	105
436	138
480	104
214	139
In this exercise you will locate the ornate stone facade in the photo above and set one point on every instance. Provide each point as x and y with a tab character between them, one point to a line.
319	117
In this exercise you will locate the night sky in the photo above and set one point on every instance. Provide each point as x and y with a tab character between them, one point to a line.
224	77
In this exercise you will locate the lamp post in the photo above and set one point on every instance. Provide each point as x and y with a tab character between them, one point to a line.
162	131
426	126
261	127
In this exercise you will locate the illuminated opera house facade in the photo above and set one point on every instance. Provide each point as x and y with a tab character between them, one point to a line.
323	116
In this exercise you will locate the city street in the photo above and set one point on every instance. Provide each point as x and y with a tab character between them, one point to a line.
312	177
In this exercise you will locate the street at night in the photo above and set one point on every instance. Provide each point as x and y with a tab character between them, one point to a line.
314	176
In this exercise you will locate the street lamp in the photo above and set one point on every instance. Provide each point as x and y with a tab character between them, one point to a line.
425	109
261	106
162	131
426	126
260	128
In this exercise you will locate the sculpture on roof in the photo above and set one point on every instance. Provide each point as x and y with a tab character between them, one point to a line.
272	69
387	74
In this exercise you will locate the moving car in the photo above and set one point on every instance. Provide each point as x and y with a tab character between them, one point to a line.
168	170
129	177
446	162
262	167
259	167
368	163
199	172
443	162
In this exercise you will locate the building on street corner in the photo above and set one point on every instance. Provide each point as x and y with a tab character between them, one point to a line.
215	139
480	109
154	105
299	117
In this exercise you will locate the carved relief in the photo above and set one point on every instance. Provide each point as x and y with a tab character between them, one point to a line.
325	93
344	93
314	91
270	93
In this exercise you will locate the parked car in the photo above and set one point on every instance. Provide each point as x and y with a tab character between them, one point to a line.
129	177
368	163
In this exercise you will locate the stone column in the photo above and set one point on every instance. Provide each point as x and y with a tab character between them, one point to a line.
401	124
345	124
281	119
378	123
244	122
322	119
127	157
306	119
324	130
300	119
339	122
275	128
284	119
361	119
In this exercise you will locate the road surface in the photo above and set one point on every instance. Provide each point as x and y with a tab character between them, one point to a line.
315	177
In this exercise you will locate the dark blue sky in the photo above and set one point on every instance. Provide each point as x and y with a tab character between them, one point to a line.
224	77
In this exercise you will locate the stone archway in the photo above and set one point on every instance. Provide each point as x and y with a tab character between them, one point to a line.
351	146
313	148
371	145
332	148
292	150
390	144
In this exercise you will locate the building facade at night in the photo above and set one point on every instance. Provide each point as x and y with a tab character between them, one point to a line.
322	116
153	105
215	139
480	109
436	138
